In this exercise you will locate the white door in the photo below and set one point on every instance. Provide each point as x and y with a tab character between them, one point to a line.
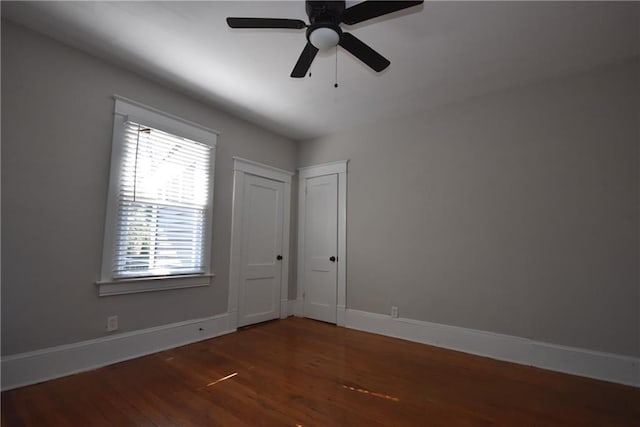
261	249
321	248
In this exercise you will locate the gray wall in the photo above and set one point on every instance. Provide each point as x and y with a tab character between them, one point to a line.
515	212
57	111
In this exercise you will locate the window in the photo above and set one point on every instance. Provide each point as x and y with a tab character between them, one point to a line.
157	232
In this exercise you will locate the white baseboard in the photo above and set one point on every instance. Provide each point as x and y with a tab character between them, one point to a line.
577	361
41	365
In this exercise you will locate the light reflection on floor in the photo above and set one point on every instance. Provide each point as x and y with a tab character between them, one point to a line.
223	379
371	393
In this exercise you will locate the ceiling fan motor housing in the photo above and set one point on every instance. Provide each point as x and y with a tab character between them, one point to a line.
324	17
324	11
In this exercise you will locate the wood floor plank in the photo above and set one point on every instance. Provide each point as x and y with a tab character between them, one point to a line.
298	372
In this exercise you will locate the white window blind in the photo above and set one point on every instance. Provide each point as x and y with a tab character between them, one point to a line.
163	198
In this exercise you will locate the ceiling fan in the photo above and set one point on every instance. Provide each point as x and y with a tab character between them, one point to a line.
324	32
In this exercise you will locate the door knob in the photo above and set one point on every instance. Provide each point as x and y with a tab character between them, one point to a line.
332	259
279	257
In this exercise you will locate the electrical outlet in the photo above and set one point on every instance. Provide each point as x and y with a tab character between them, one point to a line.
112	323
394	311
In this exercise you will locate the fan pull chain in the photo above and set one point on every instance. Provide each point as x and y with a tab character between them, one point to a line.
336	74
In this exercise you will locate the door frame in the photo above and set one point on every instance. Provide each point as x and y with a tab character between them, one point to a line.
338	168
241	168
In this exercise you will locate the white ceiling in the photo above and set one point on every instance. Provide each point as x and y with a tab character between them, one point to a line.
440	52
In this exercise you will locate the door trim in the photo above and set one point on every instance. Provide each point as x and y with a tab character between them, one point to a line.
241	168
339	168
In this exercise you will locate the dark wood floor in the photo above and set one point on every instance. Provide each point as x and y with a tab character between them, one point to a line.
298	372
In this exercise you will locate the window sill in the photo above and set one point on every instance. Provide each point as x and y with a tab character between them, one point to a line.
151	284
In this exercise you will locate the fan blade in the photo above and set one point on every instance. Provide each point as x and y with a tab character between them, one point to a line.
305	60
363	52
295	24
372	9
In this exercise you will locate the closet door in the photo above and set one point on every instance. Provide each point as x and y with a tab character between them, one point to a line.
261	250
321	248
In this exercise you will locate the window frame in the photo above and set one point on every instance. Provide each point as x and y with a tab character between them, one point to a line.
127	110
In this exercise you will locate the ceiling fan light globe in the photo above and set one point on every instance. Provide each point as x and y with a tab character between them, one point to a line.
324	38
